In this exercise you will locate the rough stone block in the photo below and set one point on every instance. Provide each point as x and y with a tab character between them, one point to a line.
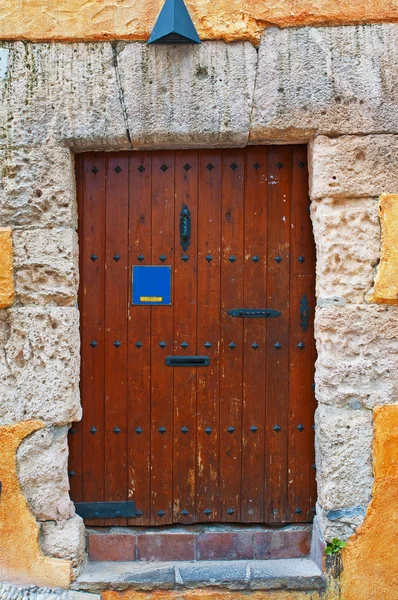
43	474
6	275
347	237
185	96
63	92
330	80
46	266
65	539
353	166
297	574
344	457
108	546
357	355
386	287
37	187
40	365
231	574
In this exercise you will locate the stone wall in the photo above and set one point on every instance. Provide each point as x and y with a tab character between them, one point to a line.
333	87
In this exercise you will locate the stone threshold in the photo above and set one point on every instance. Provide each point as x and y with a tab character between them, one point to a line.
283	574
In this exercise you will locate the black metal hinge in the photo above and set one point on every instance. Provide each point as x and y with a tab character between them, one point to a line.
106	510
254	313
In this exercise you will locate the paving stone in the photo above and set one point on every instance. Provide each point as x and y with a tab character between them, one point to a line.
232	575
298	574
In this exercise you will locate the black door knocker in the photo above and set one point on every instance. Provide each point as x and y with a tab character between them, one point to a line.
185	227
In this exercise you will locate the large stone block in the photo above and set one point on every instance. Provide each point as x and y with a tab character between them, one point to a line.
43	474
46	266
6	275
62	91
347	236
37	187
65	539
39	366
185	96
353	166
330	80
343	445
357	355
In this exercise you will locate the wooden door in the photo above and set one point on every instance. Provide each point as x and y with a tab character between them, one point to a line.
227	442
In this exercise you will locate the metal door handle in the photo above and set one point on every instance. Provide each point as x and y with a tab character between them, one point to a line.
187	361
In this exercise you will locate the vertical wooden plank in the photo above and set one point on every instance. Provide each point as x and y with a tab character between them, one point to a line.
162	343
277	380
139	342
208	327
75	432
254	345
301	368
116	298
185	291
233	173
92	326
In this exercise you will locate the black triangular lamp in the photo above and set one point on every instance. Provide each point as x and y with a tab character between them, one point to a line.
174	25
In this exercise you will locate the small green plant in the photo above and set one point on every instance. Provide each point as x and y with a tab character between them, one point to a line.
334	546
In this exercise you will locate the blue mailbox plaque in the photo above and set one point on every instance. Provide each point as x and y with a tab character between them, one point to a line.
151	285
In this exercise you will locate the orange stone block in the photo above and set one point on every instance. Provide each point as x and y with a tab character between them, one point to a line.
6	276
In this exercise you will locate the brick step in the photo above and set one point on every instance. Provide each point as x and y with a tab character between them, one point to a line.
284	574
198	543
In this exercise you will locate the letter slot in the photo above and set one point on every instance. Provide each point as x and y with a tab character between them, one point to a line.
187	361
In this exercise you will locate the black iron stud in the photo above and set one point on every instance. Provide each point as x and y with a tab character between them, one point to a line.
162	258
208	430
279	165
160	513
72	431
71	473
141	169
300	427
93	257
164	168
184	345
253	429
256	166
232	258
184	429
138	431
186	167
298	511
138	345
139	513
210	167
230	511
313	427
301	164
278	346
116	430
162	430
313	386
140	257
93	344
313	509
116	258
255	346
301	259
232	345
255	259
278	259
185	257
231	429
207	345
93	430
277	428
184	512
209	258
95	170
314	466
207	511
234	166
300	345
117	169
162	344
117	344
